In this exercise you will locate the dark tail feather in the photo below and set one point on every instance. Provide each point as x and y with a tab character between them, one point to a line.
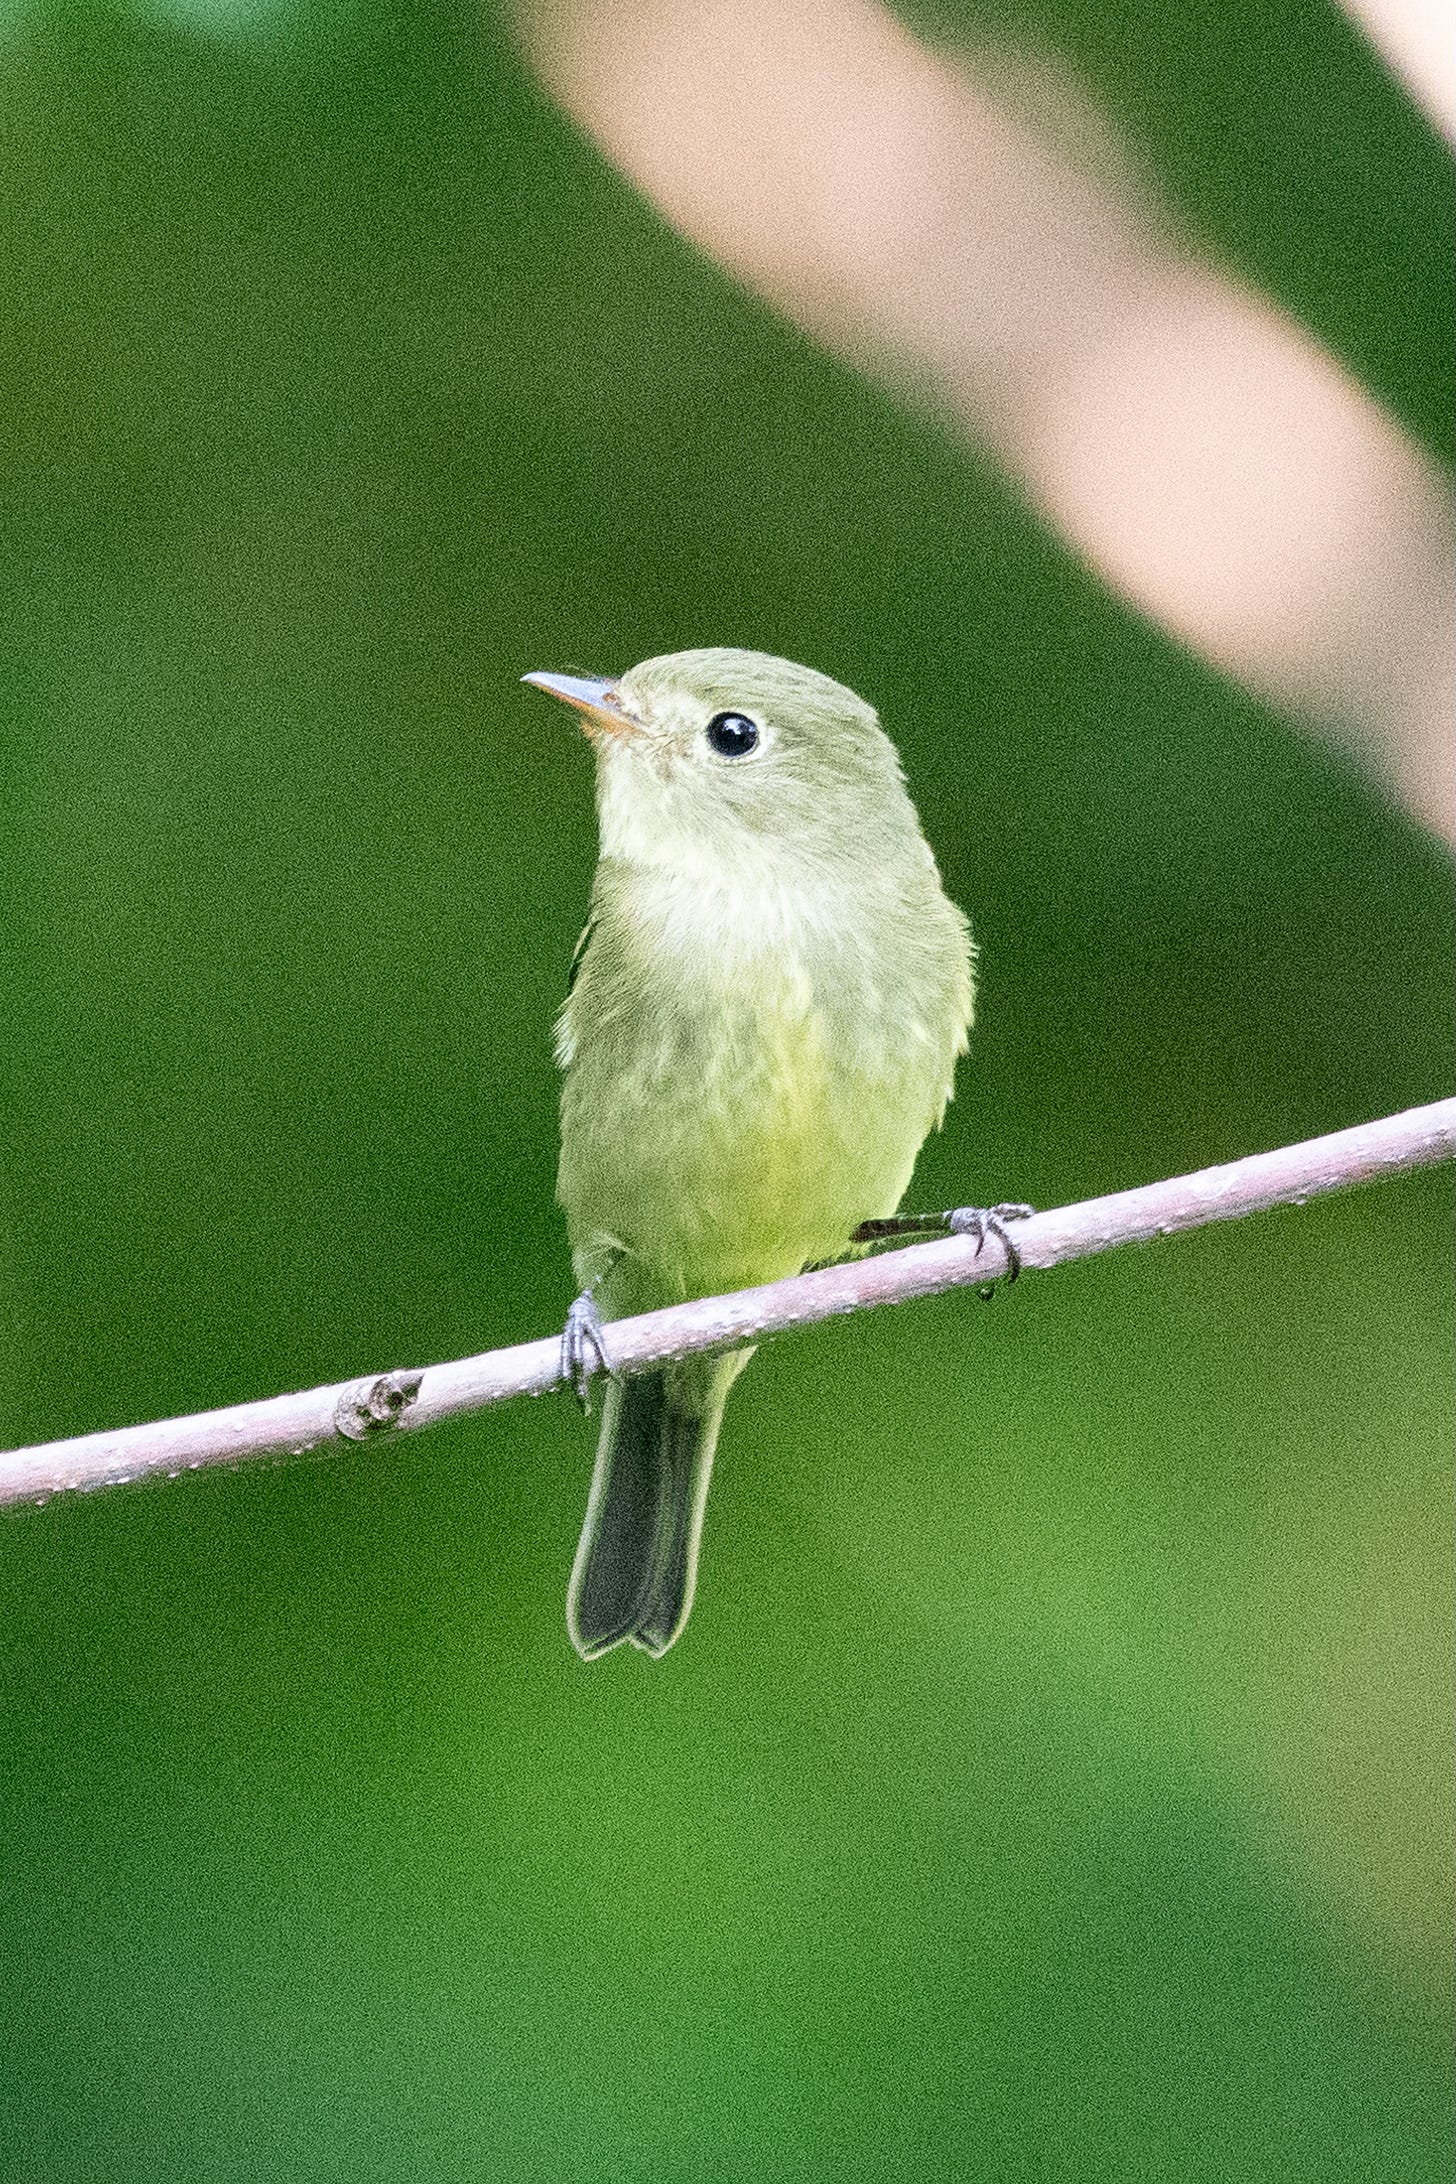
638	1556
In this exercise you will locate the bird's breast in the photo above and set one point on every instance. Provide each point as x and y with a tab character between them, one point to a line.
750	1075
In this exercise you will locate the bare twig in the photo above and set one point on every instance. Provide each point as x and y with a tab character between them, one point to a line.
401	1402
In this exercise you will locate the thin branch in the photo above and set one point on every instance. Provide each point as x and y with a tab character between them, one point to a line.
402	1402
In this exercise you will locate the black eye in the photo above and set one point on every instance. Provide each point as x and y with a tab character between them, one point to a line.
732	735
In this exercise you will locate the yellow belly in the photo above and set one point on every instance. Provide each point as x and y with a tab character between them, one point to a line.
737	1154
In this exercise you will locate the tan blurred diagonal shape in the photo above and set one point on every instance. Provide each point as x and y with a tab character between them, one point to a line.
1214	464
1417	39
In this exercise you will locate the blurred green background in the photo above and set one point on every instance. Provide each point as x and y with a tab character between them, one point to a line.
1053	1780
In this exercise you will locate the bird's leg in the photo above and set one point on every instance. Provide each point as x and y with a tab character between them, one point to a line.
977	1221
583	1344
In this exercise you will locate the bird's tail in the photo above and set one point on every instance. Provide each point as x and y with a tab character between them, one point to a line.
638	1558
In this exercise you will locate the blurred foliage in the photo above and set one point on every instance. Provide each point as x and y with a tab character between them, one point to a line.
1287	147
1052	1781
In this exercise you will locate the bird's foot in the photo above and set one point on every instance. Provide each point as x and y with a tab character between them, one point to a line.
583	1348
977	1221
984	1221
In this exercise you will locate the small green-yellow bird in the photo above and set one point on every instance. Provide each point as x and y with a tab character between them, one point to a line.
762	1024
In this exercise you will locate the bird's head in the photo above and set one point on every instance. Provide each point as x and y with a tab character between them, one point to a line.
717	757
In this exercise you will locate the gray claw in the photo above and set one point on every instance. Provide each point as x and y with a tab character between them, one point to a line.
583	1348
984	1221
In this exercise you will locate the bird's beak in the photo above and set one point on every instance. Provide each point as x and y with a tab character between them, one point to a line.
598	701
